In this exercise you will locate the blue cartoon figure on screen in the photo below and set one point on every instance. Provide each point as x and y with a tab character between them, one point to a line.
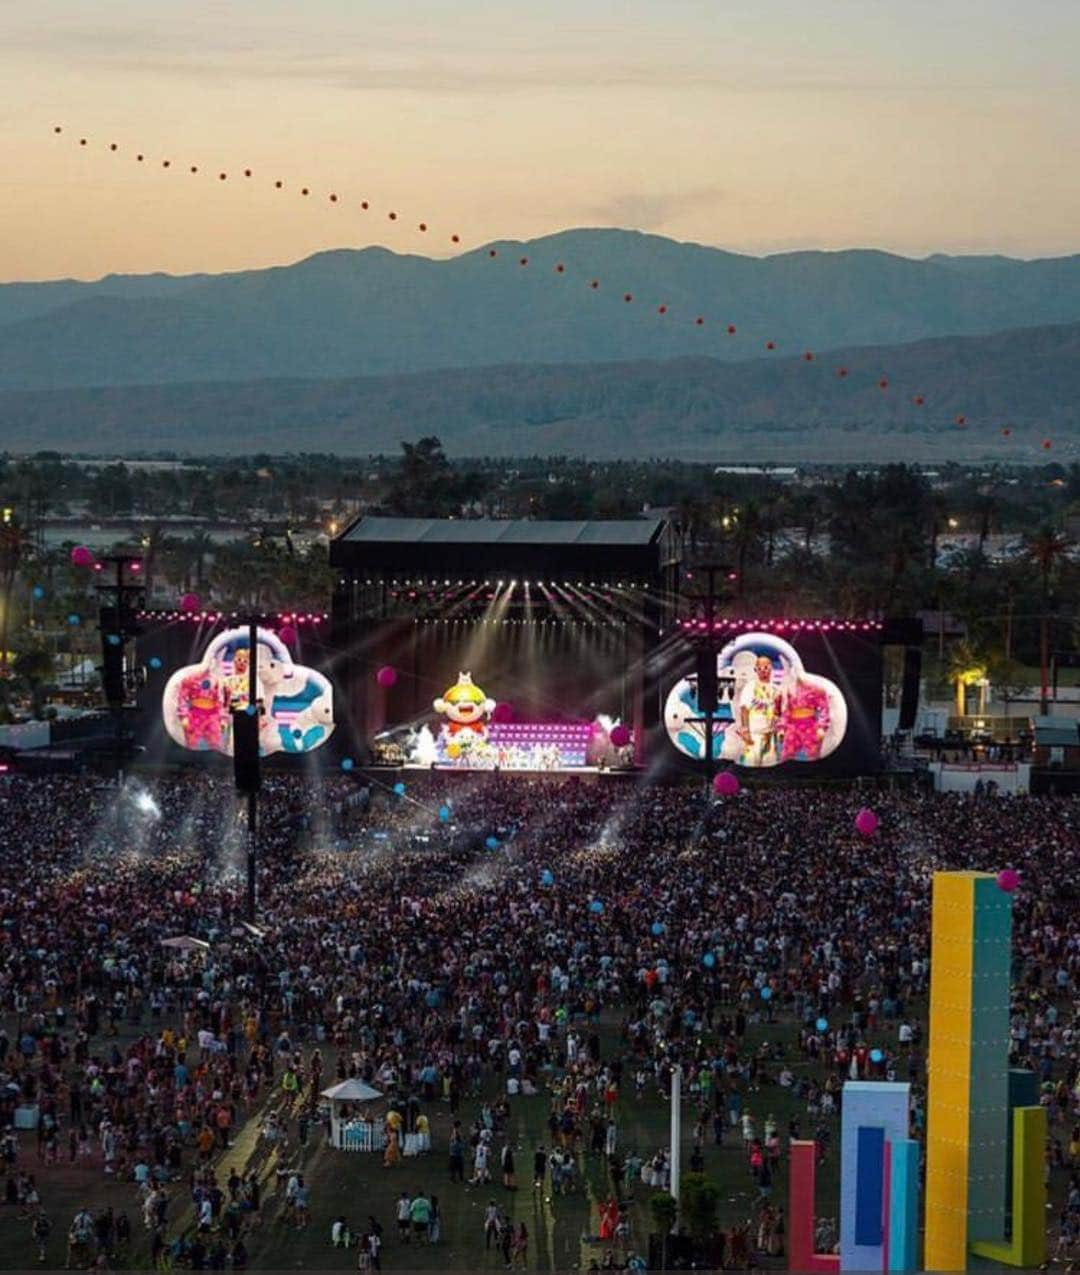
770	710
295	703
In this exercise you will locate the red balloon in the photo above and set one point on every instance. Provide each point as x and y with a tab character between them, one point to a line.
699	321
841	371
386	676
620	735
392	216
1047	444
809	356
770	345
524	261
455	239
883	384
661	309
866	822
560	268
628	296
1008	879
81	556
731	329
1006	432
364	204
287	634
725	784
961	420
190	602
492	252
595	283
918	400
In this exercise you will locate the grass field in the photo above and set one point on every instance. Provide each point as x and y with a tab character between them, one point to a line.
356	1185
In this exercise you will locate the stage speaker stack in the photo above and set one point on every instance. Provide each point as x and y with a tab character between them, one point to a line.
112	674
706	680
909	692
246	751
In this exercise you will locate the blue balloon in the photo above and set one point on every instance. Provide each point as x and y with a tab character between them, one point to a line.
114	639
822	1024
492	843
766	993
399	788
708	960
546	877
38	592
444	813
657	928
346	763
876	1055
251	710
74	619
154	661
596	906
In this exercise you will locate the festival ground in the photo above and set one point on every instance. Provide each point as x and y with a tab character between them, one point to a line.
356	1185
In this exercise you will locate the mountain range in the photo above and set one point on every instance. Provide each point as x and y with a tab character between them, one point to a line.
353	349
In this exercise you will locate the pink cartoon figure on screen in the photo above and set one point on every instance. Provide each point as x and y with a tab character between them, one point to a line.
804	719
200	710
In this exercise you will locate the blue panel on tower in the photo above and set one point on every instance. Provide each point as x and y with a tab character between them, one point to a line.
869	1185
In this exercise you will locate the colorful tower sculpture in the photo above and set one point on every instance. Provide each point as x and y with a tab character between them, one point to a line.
967	1141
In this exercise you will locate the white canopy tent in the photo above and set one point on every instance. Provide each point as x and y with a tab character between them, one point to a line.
347	1093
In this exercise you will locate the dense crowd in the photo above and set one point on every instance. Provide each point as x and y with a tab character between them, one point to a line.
471	929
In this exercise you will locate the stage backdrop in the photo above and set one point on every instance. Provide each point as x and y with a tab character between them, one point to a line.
798	704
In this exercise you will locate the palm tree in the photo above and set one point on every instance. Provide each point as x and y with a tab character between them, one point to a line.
13	548
1045	550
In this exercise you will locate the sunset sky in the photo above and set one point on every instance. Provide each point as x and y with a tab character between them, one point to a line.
911	125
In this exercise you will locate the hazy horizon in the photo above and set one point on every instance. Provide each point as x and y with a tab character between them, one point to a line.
936	126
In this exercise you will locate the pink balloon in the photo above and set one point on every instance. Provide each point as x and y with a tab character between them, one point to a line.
503	713
287	634
81	556
725	784
189	602
620	735
866	822
1008	879
386	676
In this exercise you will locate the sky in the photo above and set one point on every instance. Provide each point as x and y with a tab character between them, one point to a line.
760	126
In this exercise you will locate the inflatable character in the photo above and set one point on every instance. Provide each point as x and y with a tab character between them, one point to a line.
239	682
805	721
466	709
199	710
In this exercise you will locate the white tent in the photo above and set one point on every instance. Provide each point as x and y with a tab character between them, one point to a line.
347	1092
185	943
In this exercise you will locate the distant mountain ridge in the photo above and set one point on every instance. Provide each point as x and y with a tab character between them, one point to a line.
695	408
352	313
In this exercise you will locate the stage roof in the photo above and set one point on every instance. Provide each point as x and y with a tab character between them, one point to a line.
633	548
488	531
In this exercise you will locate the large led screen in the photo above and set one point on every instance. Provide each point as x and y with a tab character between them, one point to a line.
809	703
295	703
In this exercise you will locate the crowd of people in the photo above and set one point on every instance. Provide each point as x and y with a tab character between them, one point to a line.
472	931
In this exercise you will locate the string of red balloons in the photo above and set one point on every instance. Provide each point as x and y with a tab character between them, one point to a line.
842	372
